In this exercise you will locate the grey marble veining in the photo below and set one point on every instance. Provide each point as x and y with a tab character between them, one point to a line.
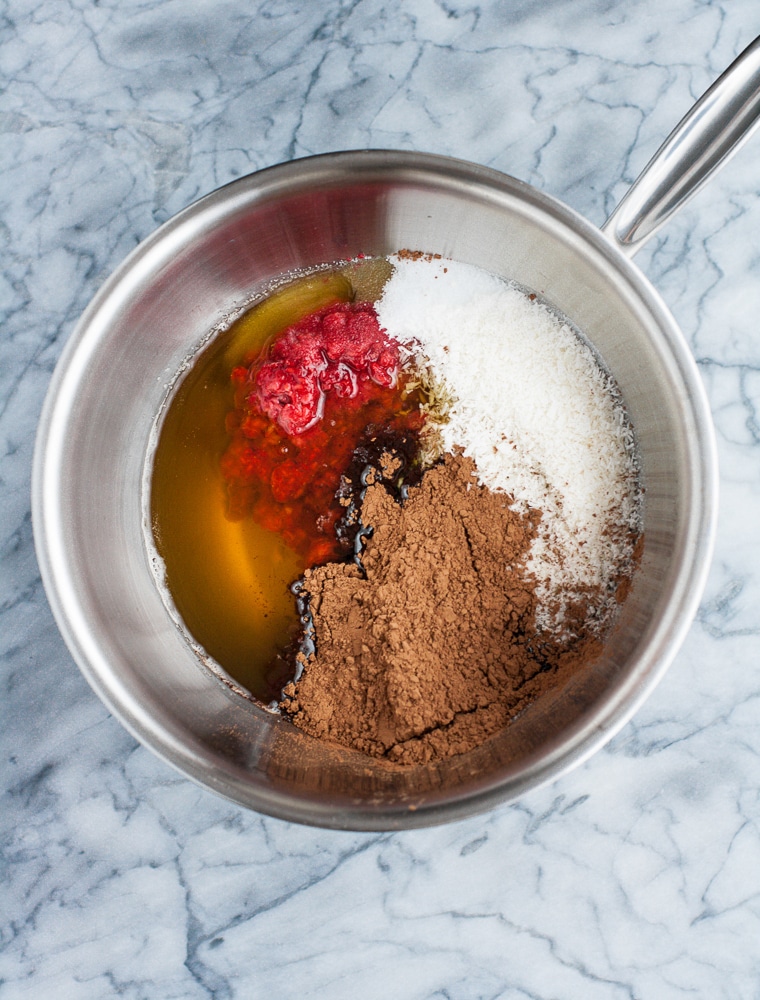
636	876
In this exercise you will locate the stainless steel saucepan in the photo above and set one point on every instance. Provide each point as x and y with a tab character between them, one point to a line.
219	254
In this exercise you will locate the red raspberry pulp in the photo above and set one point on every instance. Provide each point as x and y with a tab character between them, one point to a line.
326	383
330	351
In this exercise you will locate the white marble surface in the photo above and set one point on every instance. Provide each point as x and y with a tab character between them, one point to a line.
638	875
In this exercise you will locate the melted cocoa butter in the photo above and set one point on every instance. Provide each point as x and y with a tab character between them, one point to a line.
430	645
227	573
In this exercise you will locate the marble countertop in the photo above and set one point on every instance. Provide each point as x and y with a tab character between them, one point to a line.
635	876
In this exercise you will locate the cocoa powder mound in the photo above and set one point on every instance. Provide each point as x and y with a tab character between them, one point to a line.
430	647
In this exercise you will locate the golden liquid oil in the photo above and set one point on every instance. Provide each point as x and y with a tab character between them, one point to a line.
230	580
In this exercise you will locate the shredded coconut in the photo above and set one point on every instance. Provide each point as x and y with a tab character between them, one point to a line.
529	402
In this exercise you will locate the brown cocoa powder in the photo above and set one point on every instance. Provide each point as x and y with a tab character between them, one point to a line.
431	647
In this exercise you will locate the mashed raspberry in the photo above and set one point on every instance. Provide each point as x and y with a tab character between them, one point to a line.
330	351
326	385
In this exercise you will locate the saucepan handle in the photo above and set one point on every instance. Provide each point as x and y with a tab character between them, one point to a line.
721	120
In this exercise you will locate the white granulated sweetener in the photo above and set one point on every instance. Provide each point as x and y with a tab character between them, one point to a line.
537	414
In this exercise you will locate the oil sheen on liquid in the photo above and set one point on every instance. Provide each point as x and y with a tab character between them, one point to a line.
230	579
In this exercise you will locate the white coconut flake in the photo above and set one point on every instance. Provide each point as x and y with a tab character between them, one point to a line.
535	411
